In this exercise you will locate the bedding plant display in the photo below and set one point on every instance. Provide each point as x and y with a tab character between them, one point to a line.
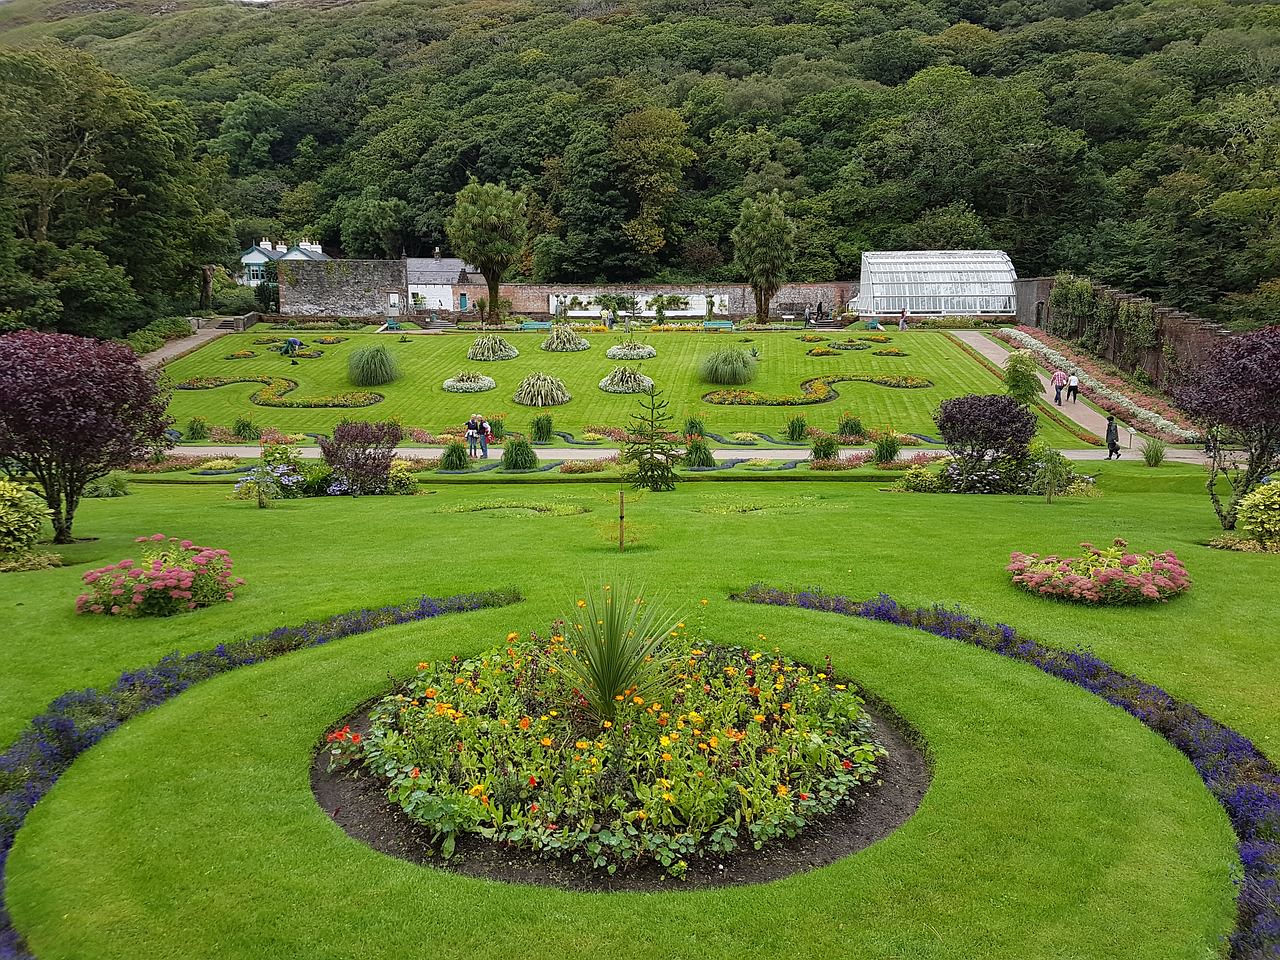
822	352
1114	575
273	394
626	380
173	576
564	339
620	740
631	350
468	381
490	346
890	352
813	390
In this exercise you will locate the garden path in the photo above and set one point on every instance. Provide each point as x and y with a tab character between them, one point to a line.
1081	413
176	348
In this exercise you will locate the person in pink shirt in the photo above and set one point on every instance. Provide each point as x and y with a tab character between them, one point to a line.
1059	381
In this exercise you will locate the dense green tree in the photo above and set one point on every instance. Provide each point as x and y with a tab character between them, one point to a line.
486	229
763	247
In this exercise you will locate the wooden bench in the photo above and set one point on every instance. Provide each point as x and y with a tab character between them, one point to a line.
529	325
725	326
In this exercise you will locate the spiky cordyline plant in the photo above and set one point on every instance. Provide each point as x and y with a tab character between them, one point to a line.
490	346
541	390
563	339
616	648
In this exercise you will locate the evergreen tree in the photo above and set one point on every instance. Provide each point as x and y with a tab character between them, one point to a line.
487	229
650	449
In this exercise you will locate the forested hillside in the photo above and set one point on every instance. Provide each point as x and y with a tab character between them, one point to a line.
1138	142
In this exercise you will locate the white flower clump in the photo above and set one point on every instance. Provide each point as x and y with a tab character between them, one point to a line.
631	350
624	380
1101	390
469	383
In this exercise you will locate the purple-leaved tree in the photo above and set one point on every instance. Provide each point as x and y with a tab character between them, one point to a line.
1235	394
360	455
73	409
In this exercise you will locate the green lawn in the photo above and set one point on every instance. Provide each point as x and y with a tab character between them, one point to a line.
427	361
1056	826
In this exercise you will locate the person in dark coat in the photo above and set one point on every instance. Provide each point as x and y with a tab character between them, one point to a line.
1113	439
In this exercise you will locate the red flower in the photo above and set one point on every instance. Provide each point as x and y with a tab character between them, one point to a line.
846	764
355	738
533	808
533	781
415	773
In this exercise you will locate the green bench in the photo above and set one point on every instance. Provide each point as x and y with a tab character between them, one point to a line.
718	325
529	325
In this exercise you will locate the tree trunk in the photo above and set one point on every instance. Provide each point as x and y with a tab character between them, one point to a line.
206	286
762	305
493	300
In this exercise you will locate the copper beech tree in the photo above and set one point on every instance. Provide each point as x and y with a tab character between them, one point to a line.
71	410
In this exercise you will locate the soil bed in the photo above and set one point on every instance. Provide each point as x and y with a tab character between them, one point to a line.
357	802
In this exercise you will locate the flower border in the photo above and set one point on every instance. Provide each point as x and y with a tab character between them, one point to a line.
815	390
272	395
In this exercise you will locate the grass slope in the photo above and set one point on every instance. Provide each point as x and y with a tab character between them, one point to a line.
427	361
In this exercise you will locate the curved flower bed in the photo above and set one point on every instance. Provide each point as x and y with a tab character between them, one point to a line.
241	355
503	746
631	350
890	352
1111	576
821	352
468	382
1236	772
329	341
79	719
174	575
815	390
1154	415
273	394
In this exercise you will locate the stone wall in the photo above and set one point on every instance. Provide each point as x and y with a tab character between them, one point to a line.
533	299
346	288
1033	300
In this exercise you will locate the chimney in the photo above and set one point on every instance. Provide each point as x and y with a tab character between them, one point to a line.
437	253
265	243
282	247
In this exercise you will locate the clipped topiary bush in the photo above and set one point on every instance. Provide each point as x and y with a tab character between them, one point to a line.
631	350
697	453
541	428
455	456
468	381
729	366
563	339
519	454
372	366
22	516
541	390
490	346
626	380
1259	513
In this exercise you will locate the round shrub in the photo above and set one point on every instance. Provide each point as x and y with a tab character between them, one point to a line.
1259	513
400	479
541	390
921	480
1115	575
626	380
518	454
563	339
372	366
728	366
825	447
982	427
663	781
468	381
22	516
490	346
630	350
173	576
455	456
697	453
541	428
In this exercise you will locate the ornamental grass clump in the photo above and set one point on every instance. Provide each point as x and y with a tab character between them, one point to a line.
563	339
490	346
468	381
1114	575
824	447
796	429
541	428
886	448
626	380
518	454
173	576
697	453
850	426
596	746
541	390
372	366
455	456
728	367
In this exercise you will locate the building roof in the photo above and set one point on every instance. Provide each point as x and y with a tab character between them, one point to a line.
303	253
441	270
269	252
946	282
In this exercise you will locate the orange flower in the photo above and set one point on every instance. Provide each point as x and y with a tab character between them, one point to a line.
424	666
783	789
430	694
415	773
524	723
512	636
545	741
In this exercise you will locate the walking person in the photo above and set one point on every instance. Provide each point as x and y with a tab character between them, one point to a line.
473	435
1113	438
902	321
1073	388
808	314
1059	381
486	436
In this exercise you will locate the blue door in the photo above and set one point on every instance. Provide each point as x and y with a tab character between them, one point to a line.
462	302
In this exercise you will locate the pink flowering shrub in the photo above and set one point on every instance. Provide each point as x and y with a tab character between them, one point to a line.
172	576
1114	575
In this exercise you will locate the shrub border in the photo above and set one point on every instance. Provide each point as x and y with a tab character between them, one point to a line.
78	719
1240	777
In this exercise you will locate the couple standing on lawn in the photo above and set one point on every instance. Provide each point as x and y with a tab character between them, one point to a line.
479	434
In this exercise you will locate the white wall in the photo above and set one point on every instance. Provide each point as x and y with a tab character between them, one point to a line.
431	296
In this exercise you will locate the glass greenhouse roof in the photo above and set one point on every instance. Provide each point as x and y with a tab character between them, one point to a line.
940	282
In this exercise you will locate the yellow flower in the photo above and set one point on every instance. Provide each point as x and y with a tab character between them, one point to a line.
680	626
581	604
703	602
668	797
783	789
665	741
638	700
582	744
666	757
758	718
545	741
840	686
512	636
607	724
476	791
715	742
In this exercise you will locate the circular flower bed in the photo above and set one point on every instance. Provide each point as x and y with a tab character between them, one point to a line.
626	380
631	350
1111	576
468	381
726	749
174	575
890	352
849	345
329	341
241	355
564	339
821	352
542	390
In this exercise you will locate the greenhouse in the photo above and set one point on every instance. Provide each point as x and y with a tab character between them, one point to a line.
937	282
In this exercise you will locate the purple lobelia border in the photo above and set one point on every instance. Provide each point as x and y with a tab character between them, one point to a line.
77	720
1239	776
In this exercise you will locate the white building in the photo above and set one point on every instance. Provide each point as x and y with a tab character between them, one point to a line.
431	281
253	262
960	283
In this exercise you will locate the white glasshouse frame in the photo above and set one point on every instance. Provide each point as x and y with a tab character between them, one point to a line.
964	283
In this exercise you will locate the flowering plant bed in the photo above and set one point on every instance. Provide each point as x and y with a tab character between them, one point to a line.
822	352
812	338
875	338
848	345
329	341
174	575
814	390
1111	576
706	763
273	394
241	355
890	352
